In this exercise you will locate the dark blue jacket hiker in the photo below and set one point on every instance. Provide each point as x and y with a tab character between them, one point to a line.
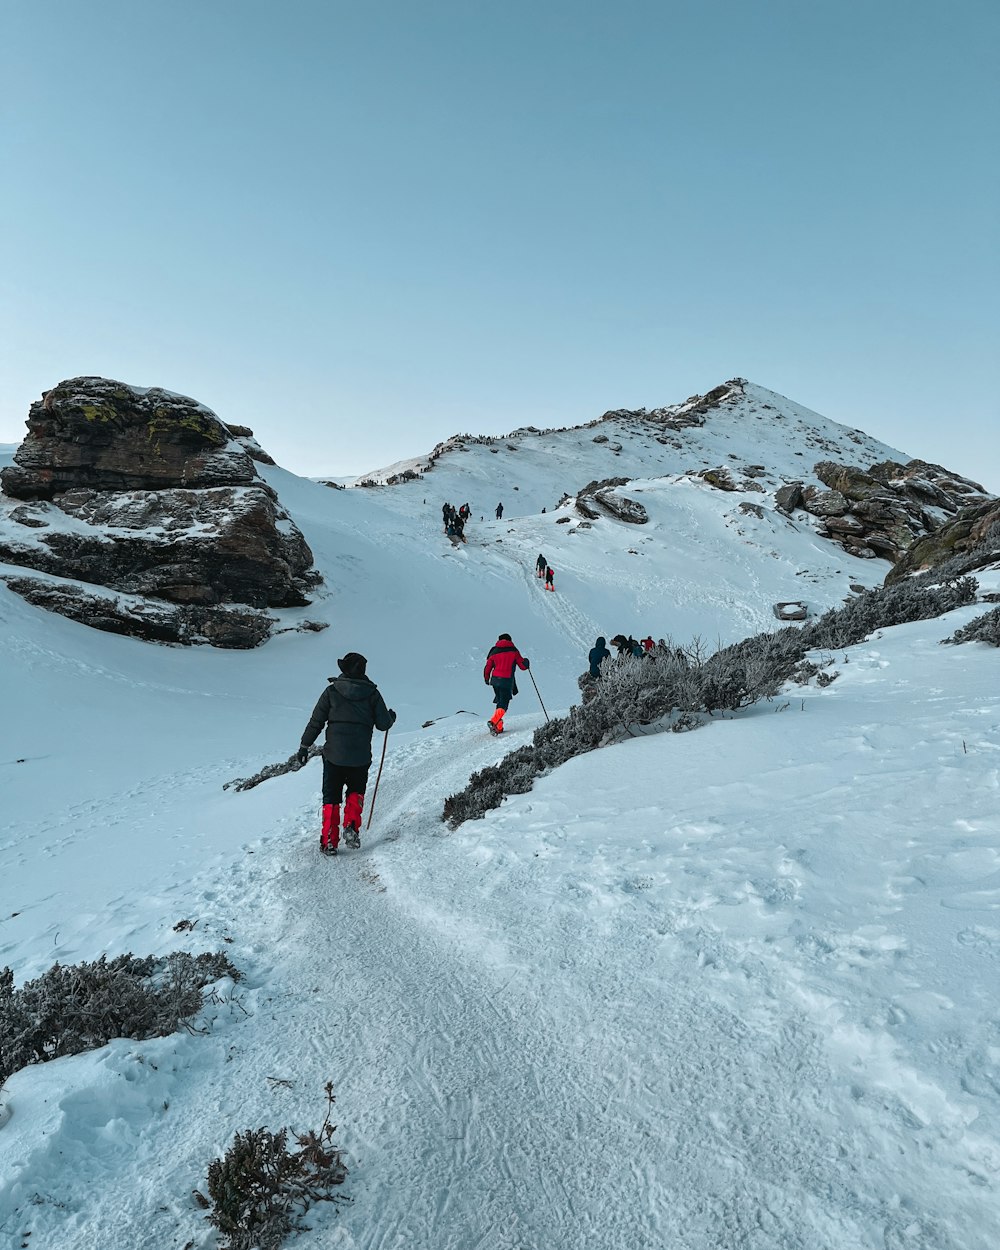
598	654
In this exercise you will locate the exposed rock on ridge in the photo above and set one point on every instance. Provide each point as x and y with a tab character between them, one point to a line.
690	413
148	494
883	510
598	495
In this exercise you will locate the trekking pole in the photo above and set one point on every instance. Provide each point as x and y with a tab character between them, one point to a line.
371	810
535	684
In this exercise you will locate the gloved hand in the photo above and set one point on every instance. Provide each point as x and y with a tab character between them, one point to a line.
302	754
392	715
527	662
486	680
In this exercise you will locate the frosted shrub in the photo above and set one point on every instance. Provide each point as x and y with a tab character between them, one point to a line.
985	628
738	676
79	1007
260	1190
916	599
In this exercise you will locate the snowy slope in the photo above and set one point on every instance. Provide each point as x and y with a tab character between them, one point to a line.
724	989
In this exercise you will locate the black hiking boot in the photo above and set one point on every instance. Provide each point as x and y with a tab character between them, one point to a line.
328	850
352	837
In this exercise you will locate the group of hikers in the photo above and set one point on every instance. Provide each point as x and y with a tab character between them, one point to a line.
544	569
628	649
351	708
454	521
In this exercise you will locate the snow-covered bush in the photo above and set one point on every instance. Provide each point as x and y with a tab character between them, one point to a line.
916	599
740	675
259	1190
676	689
78	1007
985	628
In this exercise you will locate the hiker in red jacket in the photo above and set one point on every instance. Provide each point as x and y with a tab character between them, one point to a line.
499	673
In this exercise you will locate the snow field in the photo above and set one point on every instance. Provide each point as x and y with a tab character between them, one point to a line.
731	988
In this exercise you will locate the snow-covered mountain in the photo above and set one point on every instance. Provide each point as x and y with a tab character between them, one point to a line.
736	425
733	988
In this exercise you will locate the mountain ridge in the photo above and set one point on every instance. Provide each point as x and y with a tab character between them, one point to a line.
668	423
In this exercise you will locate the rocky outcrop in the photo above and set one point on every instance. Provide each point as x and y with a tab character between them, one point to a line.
109	436
599	497
973	535
138	617
691	412
722	479
149	495
884	510
788	498
244	436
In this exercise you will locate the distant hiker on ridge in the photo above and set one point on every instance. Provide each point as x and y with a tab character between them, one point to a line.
550	578
350	708
648	644
499	511
541	564
499	673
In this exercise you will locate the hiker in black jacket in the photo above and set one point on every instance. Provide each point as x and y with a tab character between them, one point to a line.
351	708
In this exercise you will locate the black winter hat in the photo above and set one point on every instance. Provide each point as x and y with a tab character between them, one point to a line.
505	638
353	664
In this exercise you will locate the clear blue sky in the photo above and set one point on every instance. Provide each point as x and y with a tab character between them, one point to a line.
362	227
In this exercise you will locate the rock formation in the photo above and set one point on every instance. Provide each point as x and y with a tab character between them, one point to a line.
244	436
691	412
147	494
973	535
881	511
596	496
722	479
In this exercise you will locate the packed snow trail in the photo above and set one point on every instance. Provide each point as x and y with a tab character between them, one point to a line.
574	1055
529	1050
